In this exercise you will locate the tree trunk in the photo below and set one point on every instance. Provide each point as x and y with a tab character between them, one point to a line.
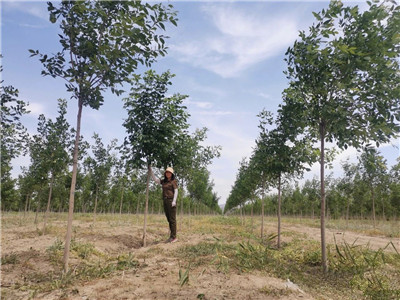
146	207
72	190
279	211
26	204
252	219
120	200
48	203
347	212
322	170
95	204
373	205
37	209
137	206
262	210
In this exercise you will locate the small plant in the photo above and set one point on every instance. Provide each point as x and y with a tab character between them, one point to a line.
11	259
184	276
83	250
364	268
125	262
55	251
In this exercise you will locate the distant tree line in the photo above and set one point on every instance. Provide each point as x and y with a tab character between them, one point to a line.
105	182
352	195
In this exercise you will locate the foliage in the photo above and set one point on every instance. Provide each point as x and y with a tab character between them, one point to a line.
103	43
338	72
13	140
155	122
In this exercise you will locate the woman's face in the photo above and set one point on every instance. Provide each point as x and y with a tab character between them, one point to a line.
168	175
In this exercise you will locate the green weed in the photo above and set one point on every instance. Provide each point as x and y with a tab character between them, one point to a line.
82	250
9	259
184	276
368	270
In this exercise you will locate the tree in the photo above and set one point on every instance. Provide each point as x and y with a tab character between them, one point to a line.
100	166
344	81
13	139
57	138
103	43
279	154
394	186
154	125
373	170
191	156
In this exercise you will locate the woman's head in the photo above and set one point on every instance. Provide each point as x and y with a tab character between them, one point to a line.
169	173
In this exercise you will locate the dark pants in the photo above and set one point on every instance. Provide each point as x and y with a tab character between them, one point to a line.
170	213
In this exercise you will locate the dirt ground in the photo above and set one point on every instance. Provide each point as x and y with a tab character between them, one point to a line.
157	276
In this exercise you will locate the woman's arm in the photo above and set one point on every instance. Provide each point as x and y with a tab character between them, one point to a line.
157	180
175	197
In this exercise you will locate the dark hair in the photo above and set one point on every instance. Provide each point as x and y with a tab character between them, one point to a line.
172	177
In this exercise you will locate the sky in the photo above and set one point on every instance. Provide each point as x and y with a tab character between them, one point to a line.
227	56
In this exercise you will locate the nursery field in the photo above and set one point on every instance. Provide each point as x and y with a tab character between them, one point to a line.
216	257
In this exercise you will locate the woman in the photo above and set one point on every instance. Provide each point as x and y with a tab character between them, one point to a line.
170	194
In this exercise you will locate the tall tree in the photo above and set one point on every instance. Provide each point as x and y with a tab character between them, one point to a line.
13	139
103	43
278	154
57	139
191	155
100	166
344	80
373	169
154	124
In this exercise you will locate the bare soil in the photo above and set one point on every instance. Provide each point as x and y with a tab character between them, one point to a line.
157	273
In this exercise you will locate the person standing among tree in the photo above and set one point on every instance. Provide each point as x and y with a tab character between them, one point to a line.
169	194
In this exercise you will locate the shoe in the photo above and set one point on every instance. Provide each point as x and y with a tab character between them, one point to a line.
174	240
169	240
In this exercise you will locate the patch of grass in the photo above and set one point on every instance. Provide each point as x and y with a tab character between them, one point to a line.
83	250
9	259
55	252
198	254
85	271
224	220
275	292
375	273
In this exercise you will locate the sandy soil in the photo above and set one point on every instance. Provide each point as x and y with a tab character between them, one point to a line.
156	277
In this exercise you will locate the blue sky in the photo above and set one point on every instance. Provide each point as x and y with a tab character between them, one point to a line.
228	56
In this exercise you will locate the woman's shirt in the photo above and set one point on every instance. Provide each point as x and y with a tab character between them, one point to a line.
168	188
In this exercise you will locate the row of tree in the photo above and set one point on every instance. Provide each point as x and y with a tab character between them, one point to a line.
367	190
108	179
343	88
102	45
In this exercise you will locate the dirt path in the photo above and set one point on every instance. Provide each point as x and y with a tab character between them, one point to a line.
373	242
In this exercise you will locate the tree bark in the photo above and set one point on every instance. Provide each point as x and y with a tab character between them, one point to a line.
48	203
120	200
146	208
95	204
279	211
72	190
322	171
262	210
373	205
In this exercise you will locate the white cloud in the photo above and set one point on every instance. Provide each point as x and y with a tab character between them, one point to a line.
240	40
35	8
36	108
215	113
199	104
264	95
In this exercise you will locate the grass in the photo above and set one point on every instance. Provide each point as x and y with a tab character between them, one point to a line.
224	244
